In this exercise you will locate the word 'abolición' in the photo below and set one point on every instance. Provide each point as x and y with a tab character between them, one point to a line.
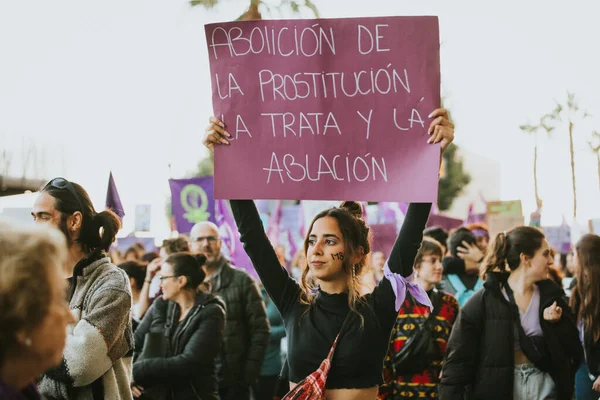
340	168
283	41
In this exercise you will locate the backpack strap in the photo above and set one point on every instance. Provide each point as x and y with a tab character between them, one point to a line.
169	324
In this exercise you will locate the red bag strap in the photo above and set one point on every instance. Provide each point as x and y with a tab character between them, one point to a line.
339	335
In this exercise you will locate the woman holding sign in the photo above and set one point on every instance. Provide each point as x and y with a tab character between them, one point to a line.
337	338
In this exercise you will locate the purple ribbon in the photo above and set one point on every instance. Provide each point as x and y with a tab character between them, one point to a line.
399	286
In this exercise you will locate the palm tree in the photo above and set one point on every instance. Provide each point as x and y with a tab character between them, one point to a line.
533	130
595	146
253	13
571	113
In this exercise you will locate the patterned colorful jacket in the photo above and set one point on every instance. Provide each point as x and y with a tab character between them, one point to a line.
410	316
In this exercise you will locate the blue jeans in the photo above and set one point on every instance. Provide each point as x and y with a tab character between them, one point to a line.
583	384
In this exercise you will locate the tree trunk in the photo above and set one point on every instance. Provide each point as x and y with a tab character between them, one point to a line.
252	13
535	181
572	151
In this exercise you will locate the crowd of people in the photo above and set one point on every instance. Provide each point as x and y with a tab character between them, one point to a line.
449	315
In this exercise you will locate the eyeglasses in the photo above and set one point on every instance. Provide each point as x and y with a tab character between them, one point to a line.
62	183
162	278
209	239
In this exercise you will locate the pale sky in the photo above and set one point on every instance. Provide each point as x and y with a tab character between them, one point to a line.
125	85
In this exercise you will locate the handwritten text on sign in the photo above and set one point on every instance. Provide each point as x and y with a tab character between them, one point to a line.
326	109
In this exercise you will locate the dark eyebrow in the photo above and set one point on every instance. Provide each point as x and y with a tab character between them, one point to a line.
327	235
40	213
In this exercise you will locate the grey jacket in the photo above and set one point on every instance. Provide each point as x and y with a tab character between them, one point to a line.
97	357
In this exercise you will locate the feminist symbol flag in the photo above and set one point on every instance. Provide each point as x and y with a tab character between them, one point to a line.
192	201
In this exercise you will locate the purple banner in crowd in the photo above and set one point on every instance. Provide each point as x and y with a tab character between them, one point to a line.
559	237
192	201
231	238
126	242
326	109
447	223
384	237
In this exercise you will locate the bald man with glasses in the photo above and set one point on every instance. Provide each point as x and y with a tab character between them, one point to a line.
246	324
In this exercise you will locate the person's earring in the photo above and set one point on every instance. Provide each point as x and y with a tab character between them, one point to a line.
27	342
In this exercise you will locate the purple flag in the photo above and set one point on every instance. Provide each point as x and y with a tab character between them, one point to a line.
192	201
403	207
391	213
293	244
387	212
301	227
113	201
384	237
262	206
231	238
274	221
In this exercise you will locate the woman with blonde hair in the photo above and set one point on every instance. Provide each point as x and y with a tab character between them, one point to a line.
34	313
337	338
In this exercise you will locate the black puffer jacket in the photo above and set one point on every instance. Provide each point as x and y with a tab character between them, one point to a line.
480	356
190	372
246	328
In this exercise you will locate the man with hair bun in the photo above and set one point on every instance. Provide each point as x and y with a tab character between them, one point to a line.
96	360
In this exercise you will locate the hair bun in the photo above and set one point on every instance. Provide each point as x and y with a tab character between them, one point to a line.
353	208
200	259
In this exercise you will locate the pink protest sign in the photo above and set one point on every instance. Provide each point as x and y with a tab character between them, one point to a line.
326	109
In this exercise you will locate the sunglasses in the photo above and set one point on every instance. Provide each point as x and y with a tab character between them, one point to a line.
62	184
